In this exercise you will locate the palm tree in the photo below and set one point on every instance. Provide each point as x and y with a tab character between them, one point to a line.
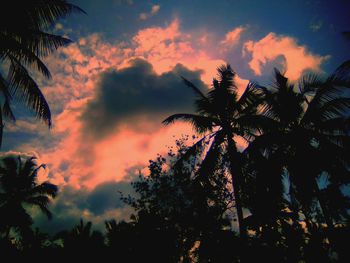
82	238
312	131
24	41
18	190
220	116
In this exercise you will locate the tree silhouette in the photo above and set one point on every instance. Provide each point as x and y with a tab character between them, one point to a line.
311	132
18	189
179	209
121	237
82	238
220	116
24	42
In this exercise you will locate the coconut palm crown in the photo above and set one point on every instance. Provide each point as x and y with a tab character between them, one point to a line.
221	116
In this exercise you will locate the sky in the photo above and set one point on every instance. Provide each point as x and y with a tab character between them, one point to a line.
113	86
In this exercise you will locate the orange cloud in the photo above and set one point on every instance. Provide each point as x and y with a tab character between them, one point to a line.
232	37
297	58
165	47
75	159
154	10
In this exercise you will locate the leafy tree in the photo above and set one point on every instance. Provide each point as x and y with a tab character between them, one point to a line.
180	209
24	42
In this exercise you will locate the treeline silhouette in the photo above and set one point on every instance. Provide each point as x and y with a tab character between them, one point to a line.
278	198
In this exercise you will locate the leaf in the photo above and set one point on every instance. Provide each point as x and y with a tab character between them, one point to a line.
18	51
7	111
196	90
201	123
24	88
211	158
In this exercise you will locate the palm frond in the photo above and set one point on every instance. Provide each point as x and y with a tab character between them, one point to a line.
335	108
21	53
45	188
196	90
266	142
44	13
256	123
25	89
28	167
339	125
6	110
280	81
43	44
201	123
226	77
252	95
42	202
212	156
343	69
332	88
192	151
309	83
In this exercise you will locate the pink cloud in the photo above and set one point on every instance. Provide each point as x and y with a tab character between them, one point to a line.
232	38
165	47
154	10
297	58
73	156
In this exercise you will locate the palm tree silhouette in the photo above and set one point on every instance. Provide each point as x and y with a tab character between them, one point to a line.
24	41
311	129
82	238
221	115
18	190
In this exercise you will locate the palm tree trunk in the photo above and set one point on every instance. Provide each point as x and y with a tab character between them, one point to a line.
236	174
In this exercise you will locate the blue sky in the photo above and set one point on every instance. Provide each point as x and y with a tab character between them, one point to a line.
316	24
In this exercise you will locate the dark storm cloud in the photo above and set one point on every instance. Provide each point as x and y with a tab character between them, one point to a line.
106	196
73	204
103	197
138	91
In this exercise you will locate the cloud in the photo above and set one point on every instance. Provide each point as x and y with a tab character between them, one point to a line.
164	47
137	93
98	204
92	141
106	196
294	58
108	101
154	10
232	38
